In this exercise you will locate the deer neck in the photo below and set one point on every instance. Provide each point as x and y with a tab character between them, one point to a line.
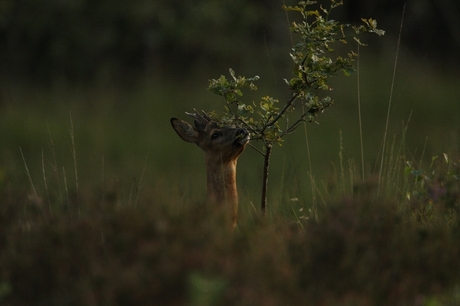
221	181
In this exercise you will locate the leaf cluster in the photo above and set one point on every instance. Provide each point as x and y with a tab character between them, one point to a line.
315	61
258	118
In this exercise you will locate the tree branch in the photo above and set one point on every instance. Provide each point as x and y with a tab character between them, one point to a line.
255	148
263	205
281	113
295	125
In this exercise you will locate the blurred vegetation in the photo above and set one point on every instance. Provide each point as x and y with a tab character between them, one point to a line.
358	251
103	204
82	40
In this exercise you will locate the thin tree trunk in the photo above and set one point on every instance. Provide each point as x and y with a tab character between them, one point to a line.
268	151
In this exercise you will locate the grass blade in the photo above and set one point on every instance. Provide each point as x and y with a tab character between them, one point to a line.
390	102
28	174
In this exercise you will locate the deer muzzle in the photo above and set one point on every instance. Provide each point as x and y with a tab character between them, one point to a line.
242	137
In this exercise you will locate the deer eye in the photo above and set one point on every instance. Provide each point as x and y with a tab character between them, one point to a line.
215	135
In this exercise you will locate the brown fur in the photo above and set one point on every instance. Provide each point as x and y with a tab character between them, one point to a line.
222	147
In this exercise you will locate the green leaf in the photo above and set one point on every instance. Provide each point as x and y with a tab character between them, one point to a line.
407	171
222	80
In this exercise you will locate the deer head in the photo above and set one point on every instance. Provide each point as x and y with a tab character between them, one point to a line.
226	142
222	146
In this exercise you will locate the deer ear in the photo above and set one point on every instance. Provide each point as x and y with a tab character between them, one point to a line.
185	130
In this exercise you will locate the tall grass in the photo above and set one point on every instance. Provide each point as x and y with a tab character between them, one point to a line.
391	97
355	249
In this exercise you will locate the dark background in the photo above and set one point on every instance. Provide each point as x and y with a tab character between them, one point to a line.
83	40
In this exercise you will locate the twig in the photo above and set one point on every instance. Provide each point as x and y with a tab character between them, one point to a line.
263	205
295	125
255	148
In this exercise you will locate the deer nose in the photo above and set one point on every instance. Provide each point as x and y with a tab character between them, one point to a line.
242	133
242	136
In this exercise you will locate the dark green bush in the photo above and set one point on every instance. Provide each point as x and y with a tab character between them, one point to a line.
360	251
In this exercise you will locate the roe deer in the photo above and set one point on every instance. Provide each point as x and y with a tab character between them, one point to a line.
222	147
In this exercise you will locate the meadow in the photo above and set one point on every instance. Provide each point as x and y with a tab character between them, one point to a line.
102	204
